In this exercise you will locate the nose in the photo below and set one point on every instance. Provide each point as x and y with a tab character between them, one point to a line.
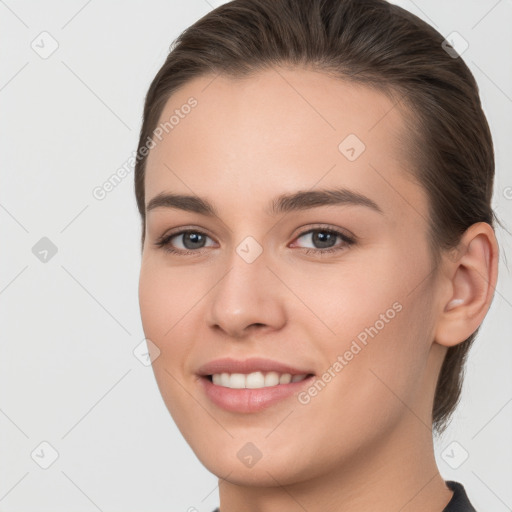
248	297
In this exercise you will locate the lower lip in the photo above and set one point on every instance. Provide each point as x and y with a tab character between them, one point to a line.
250	400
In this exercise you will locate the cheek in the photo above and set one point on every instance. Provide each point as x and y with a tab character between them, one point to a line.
165	296
339	301
382	367
160	311
153	305
161	308
381	325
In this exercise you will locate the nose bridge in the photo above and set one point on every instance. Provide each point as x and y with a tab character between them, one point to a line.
248	293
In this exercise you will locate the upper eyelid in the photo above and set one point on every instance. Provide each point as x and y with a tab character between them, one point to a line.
339	231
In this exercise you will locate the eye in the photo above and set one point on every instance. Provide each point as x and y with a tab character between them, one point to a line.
325	240
192	240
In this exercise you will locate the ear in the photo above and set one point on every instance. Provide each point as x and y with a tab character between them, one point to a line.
470	281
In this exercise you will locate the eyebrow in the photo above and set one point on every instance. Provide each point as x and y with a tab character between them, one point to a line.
297	201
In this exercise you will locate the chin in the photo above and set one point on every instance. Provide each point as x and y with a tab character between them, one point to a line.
264	473
261	462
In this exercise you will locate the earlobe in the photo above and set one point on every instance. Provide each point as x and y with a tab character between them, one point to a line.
472	277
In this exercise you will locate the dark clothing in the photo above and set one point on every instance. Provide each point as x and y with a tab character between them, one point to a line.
459	502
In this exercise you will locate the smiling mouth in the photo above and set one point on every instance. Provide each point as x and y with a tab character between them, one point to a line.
254	380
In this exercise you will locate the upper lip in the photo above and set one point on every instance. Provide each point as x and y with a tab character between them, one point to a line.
254	364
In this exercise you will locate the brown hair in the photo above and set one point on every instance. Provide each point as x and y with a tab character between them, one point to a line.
380	45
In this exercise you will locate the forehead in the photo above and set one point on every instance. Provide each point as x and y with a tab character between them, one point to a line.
277	131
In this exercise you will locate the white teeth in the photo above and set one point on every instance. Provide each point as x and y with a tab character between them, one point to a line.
271	379
285	378
237	380
254	380
224	379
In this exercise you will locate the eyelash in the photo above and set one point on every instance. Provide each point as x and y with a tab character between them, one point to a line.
164	242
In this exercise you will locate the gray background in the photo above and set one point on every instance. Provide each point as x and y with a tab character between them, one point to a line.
68	374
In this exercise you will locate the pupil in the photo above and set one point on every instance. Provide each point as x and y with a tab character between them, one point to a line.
322	237
195	238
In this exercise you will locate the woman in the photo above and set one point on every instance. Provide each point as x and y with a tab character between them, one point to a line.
314	180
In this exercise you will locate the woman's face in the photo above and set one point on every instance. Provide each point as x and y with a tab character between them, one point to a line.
306	255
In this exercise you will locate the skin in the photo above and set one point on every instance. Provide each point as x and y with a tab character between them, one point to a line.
364	442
